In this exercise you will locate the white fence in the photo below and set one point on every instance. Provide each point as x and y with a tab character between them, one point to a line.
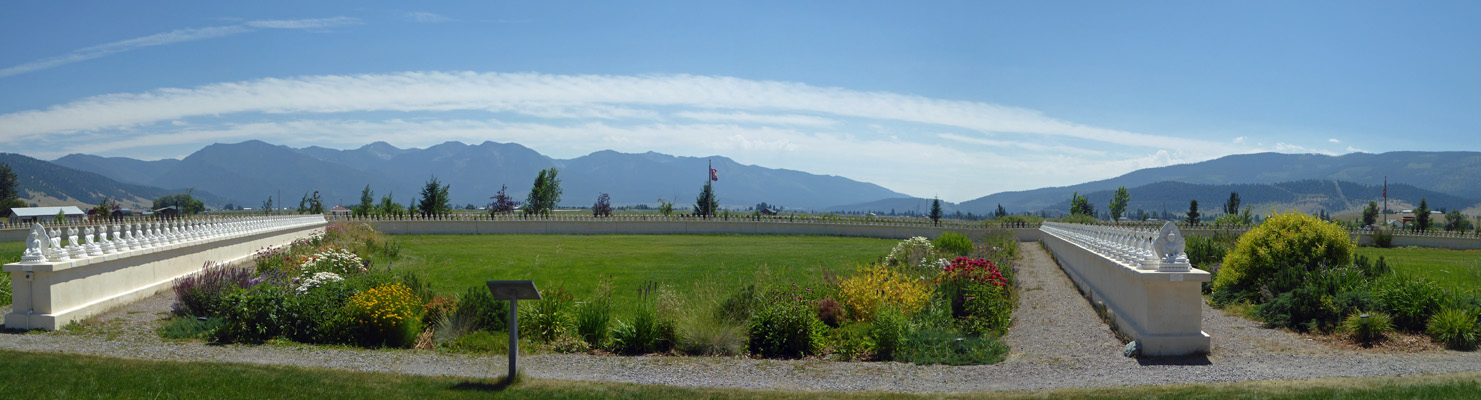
1150	294
58	282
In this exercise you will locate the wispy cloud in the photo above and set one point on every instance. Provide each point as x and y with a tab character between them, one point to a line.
1334	140
885	138
171	37
428	17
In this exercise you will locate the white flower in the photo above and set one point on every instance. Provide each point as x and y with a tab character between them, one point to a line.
317	280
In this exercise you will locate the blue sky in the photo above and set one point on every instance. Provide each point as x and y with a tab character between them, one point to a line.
949	99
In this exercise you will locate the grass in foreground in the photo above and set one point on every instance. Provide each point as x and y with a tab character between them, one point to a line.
1456	269
576	262
89	377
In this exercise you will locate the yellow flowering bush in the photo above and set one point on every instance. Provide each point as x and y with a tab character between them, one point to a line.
876	286
385	315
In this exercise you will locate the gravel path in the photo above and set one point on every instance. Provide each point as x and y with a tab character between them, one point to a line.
1057	342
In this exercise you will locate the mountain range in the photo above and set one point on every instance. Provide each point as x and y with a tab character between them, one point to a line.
46	183
249	172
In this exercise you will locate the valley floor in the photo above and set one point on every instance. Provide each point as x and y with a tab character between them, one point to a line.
1057	341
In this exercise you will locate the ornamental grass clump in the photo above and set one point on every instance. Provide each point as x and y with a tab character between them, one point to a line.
386	315
1367	327
594	316
1454	328
953	244
877	286
785	325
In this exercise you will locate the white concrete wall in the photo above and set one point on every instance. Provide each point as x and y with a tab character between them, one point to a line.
50	295
1161	310
597	227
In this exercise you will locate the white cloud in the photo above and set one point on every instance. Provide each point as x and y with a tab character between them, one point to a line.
893	140
745	117
1284	147
1239	140
313	23
175	36
1334	140
1351	149
428	17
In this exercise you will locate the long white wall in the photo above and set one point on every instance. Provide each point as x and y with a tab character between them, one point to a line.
1160	309
672	227
50	294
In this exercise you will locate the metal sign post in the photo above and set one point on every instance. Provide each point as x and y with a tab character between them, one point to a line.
514	291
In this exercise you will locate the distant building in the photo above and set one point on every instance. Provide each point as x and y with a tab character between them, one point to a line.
339	211
30	215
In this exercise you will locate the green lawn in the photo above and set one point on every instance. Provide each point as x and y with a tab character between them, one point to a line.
455	262
12	250
1459	269
88	377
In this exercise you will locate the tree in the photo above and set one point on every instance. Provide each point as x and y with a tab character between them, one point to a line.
706	204
9	190
1079	205
936	211
603	206
1118	203
1000	212
390	207
1231	207
1193	212
183	202
545	194
102	210
1370	214
267	205
435	201
502	203
316	205
665	208
303	204
367	203
1454	221
1422	215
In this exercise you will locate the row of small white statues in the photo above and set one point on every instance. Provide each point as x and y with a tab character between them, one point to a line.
43	246
1161	250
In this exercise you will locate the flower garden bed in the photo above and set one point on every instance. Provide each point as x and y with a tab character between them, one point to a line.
943	301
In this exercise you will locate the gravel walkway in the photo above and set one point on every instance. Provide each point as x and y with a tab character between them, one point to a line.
1057	342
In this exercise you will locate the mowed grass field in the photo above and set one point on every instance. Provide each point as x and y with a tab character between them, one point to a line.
1456	269
11	251
576	263
90	377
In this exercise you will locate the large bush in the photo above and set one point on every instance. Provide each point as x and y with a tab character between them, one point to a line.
1284	241
786	327
979	295
202	293
952	243
482	312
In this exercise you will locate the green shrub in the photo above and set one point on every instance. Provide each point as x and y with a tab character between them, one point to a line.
1411	301
1383	237
255	315
785	327
481	342
1367	330
1454	328
1356	300
1203	250
953	244
888	333
950	348
417	281
318	316
1284	241
851	341
1372	268
482	312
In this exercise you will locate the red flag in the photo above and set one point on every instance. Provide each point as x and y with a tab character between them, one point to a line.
714	175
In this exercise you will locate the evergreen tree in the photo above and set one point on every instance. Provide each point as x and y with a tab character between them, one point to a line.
367	203
267	206
9	190
1000	212
706	204
936	211
1231	207
1193	212
1118	203
389	207
1370	214
1079	205
435	200
1422	215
